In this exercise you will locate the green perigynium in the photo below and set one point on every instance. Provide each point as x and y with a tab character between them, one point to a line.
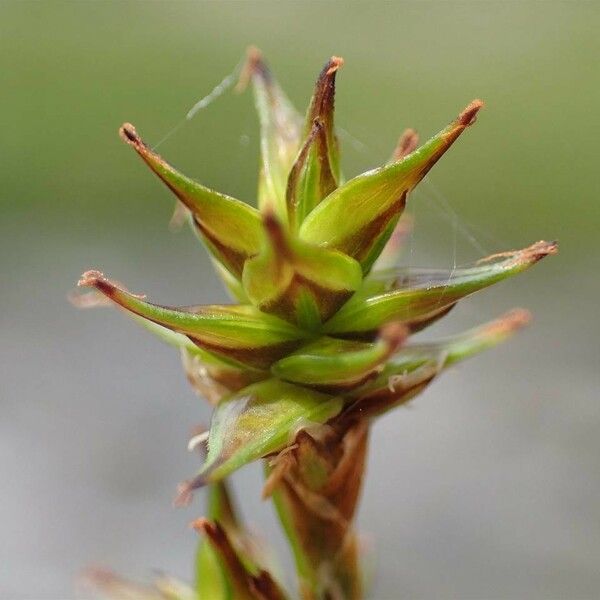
317	342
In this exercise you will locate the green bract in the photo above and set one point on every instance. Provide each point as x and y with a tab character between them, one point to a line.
319	342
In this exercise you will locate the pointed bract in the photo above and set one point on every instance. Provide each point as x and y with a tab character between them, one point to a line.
422	299
297	281
230	228
336	364
321	107
408	372
239	333
280	131
215	573
242	583
358	217
259	420
316	171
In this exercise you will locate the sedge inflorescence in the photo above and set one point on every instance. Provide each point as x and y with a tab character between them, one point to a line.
317	341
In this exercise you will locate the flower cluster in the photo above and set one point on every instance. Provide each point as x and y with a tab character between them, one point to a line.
317	343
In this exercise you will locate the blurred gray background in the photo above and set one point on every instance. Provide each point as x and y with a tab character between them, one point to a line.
487	486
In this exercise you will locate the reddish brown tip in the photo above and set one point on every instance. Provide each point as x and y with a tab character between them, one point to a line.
322	103
218	536
90	279
253	54
237	572
536	252
511	322
185	490
407	143
201	525
185	493
128	134
254	65
469	115
515	319
335	63
531	254
254	62
545	248
109	288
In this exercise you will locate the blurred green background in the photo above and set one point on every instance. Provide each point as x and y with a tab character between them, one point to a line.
488	485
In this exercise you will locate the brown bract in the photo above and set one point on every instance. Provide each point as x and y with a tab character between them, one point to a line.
318	484
246	585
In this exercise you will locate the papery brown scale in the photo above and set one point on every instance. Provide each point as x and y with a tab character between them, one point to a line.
198	377
278	466
265	587
314	460
323	514
375	404
246	585
345	482
213	382
238	577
